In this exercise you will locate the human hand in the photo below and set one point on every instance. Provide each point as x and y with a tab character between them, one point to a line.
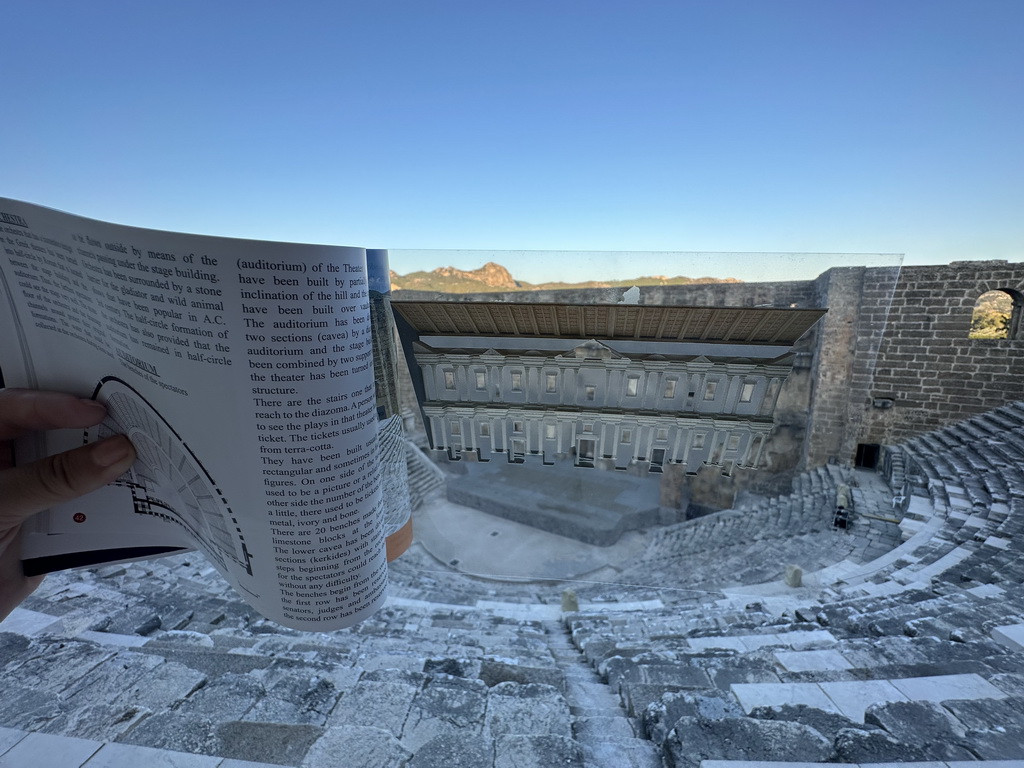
31	488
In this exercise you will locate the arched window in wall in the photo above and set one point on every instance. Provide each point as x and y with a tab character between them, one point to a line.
997	315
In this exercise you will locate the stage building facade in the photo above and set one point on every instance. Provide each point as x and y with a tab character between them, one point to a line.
609	386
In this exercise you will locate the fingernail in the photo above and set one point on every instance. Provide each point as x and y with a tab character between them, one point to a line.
109	452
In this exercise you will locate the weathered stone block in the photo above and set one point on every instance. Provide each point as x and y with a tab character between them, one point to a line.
299	697
454	749
828	724
379	704
858	746
494	671
695	739
226	698
632	753
445	706
526	709
536	752
265	742
356	745
923	724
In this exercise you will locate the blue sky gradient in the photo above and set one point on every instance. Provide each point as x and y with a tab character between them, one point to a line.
795	126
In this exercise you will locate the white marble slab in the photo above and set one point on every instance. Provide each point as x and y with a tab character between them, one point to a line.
9	737
704	643
111	638
854	697
986	590
942	687
43	750
753	695
131	756
998	542
812	661
29	623
807	638
754	642
1010	635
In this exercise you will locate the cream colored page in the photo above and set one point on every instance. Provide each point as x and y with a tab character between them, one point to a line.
241	370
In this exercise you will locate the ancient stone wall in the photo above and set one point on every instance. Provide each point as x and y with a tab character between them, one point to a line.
796	293
927	367
890	360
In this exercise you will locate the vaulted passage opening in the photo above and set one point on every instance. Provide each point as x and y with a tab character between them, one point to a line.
997	315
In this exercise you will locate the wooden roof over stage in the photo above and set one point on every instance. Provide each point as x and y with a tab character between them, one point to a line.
726	325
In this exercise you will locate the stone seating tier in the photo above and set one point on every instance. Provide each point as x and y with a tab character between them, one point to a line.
895	659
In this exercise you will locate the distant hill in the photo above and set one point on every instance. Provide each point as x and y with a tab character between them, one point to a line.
493	277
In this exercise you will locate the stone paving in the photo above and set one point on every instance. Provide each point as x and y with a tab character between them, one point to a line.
903	646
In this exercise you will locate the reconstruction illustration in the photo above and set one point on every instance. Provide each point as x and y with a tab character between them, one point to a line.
168	481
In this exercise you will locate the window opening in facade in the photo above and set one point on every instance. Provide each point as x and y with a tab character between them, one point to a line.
997	315
517	381
670	388
657	459
709	390
518	453
449	379
627	436
632	386
456	428
662	434
585	453
734	443
481	380
590	390
517	426
747	392
485	429
549	431
552	382
698	441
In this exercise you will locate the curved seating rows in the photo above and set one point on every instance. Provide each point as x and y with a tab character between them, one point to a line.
895	657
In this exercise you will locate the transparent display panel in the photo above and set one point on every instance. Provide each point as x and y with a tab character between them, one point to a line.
581	429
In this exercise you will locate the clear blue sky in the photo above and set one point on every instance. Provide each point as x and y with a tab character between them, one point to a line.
823	126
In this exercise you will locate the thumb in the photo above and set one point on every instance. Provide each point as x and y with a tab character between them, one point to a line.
34	487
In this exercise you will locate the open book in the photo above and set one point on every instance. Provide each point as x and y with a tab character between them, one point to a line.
243	372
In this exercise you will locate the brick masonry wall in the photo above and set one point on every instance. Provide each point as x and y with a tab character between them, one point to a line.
934	374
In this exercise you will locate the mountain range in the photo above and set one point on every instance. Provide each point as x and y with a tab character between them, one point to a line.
492	277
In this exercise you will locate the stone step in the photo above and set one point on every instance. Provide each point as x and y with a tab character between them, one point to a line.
20	749
852	698
622	753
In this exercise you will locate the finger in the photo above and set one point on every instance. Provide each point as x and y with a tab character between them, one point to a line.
34	487
24	410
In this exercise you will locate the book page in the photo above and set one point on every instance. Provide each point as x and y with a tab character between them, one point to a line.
242	372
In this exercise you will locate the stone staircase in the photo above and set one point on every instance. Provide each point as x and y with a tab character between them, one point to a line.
426	479
608	737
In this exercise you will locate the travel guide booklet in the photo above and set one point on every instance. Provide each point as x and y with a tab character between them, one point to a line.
243	373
